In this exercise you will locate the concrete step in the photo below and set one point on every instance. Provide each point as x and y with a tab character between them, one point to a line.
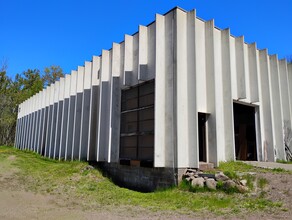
206	166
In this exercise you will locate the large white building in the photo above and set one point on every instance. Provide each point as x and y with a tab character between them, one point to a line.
177	92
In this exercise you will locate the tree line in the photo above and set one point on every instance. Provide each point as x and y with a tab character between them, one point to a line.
15	91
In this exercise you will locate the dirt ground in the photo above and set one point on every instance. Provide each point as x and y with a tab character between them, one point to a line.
17	203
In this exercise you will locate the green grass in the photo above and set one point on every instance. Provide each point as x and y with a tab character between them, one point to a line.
71	179
238	166
284	161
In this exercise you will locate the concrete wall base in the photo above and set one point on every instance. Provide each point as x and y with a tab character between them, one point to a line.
139	178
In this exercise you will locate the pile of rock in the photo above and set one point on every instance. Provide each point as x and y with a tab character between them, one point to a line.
199	179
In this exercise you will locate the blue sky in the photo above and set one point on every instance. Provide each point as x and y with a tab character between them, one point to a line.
36	34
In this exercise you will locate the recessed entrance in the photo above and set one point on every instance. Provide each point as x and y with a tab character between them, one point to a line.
244	132
202	118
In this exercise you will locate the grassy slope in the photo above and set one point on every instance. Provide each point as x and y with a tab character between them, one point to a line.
72	179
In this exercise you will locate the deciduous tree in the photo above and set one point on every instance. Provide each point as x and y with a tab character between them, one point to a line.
51	74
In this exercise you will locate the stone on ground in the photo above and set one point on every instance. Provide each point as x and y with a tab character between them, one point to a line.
211	184
199	182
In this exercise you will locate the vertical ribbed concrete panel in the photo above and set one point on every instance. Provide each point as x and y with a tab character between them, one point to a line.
240	67
200	66
165	95
258	114
227	97
253	73
186	90
284	93
275	102
25	124
115	105
246	73
210	96
42	120
50	120
193	151
160	95
39	126
135	59
77	113
18	133
23	133
28	126
83	146
38	111
143	54
28	109
54	119
65	115
104	104
71	115
18	128
30	131
23	119
233	68
289	77
169	76
122	57
21	125
265	110
129	73
115	66
220	126
182	89
60	103
47	114
34	140
151	36
35	122
94	110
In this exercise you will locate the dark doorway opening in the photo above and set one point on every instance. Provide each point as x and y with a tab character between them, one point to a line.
244	132
202	118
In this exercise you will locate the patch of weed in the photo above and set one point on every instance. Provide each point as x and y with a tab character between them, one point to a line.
260	204
278	170
262	182
231	174
249	180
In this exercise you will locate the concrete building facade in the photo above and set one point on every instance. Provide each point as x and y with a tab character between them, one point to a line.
177	92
